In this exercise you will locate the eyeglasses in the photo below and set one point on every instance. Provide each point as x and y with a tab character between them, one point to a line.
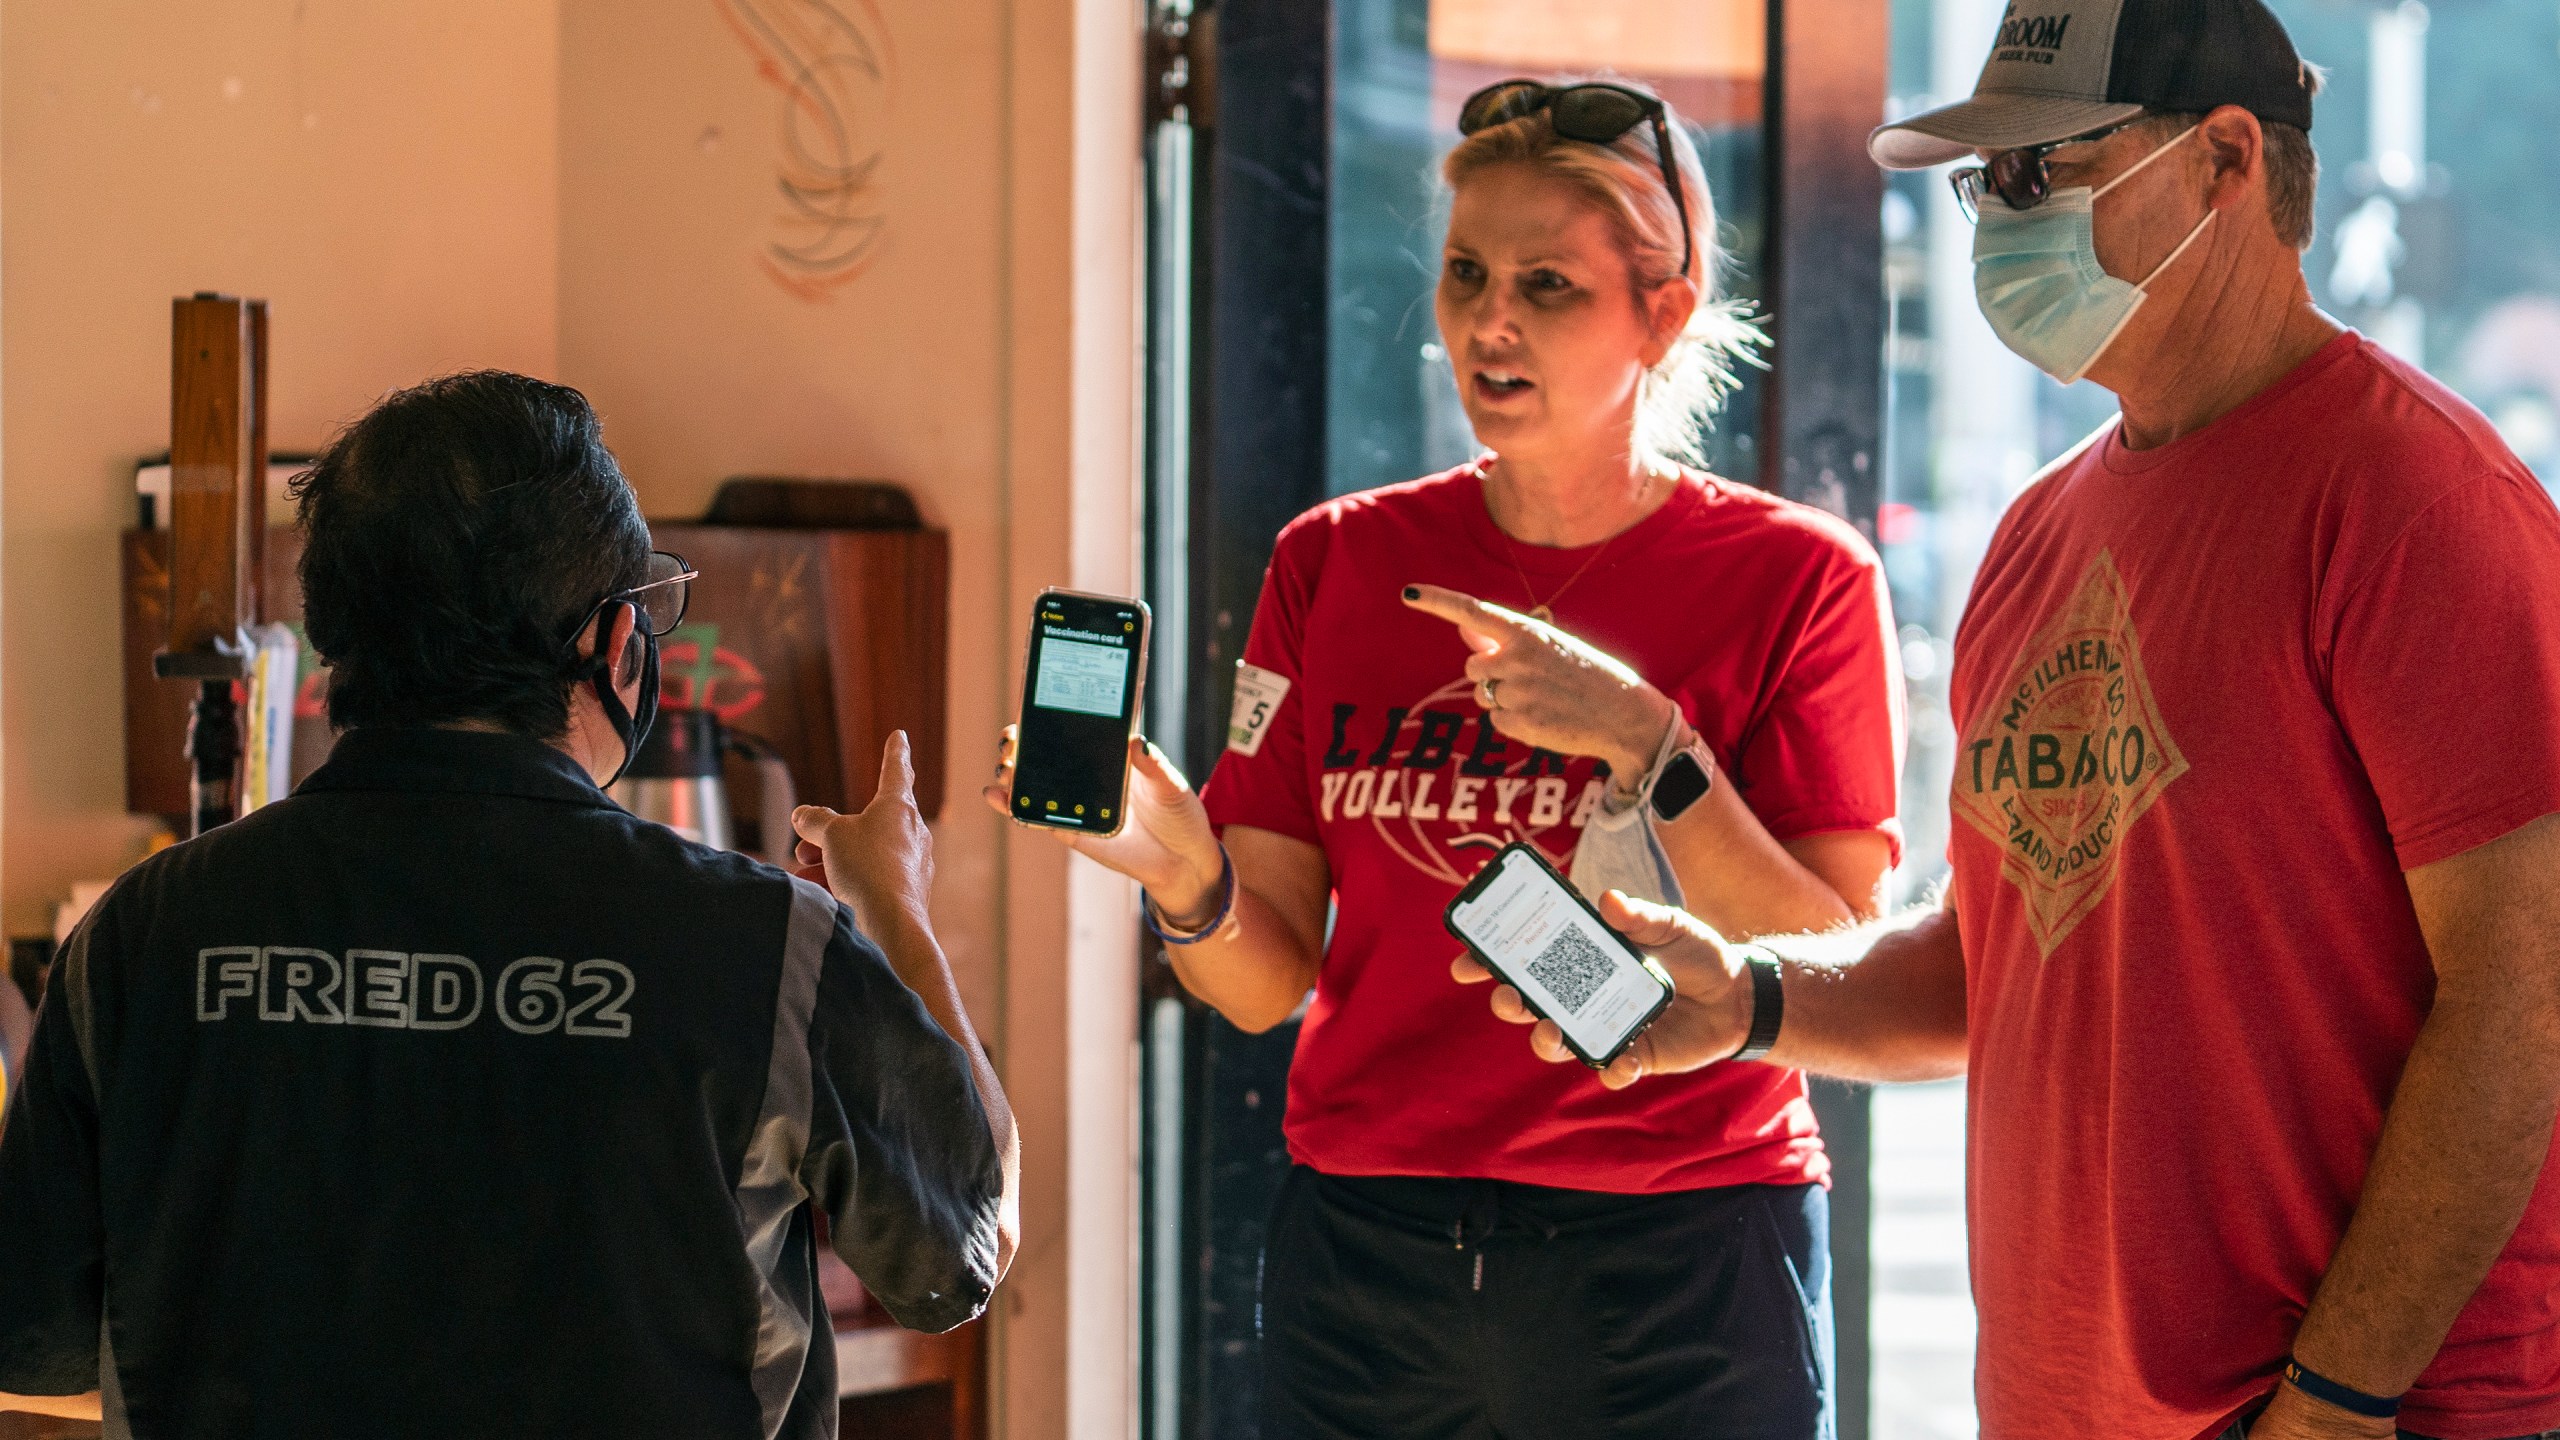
661	598
1595	114
2019	177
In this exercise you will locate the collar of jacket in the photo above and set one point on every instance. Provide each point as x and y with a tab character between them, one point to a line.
459	762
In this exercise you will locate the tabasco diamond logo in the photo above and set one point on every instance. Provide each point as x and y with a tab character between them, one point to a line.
2067	756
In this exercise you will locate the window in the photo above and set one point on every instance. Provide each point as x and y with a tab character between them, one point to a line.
2439	237
1403	68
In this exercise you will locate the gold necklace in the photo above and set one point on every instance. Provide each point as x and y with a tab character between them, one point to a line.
1543	611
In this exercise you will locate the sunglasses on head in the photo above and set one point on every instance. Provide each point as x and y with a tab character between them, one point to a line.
1596	114
2019	177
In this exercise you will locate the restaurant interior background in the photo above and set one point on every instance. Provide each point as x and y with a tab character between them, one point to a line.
1081	268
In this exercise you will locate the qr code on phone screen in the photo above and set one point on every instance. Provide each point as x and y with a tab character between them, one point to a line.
1572	968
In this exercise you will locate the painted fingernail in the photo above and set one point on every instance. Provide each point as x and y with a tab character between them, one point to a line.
1413	592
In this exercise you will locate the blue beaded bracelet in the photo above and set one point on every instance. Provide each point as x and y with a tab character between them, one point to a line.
1226	903
2345	1397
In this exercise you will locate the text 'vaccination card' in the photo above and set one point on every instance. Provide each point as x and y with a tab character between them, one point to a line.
1079	674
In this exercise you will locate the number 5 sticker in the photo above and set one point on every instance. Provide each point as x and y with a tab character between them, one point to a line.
1258	696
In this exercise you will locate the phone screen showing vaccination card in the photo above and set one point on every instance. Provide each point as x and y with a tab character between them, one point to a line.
1080	695
1531	928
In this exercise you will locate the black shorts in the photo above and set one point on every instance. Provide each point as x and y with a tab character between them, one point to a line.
1430	1309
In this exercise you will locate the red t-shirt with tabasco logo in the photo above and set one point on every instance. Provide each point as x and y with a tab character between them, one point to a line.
2212	700
1355	730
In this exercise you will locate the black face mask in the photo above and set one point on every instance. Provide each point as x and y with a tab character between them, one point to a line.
632	728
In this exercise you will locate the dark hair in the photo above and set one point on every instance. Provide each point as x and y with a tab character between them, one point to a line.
451	538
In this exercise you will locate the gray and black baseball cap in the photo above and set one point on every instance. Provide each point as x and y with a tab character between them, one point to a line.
2061	68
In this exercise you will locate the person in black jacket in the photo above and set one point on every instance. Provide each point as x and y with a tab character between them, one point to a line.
447	1098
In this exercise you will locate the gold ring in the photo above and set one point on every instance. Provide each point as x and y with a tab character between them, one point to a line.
1484	693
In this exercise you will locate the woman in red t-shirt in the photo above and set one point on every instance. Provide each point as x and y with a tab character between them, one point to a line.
1473	1242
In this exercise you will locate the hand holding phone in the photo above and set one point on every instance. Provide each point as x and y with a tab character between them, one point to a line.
1704	1024
1528	926
1156	831
1167	845
1081	683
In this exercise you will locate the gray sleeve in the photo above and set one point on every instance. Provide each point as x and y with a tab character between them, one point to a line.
52	1236
900	1154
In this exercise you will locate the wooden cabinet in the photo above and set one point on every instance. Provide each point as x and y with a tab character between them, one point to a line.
820	641
155	710
895	1384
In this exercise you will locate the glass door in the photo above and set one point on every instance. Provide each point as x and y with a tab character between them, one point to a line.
1401	69
1239	170
2438	236
1294	227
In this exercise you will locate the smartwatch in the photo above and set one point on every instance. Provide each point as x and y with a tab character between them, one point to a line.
1683	781
1768	1002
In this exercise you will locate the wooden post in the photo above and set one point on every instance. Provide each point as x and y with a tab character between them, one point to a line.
1821	441
259	607
217	528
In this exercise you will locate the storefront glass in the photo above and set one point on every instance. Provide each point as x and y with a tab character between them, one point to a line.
2439	236
1403	68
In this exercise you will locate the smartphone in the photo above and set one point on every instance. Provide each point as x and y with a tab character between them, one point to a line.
1536	933
1080	687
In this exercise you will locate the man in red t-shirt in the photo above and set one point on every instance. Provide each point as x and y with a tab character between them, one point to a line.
2252	951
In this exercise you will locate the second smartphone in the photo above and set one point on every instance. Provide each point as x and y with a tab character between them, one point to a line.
1080	691
1536	933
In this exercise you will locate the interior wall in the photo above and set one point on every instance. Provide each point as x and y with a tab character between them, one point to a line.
708	357
1068	1363
946	301
593	191
269	148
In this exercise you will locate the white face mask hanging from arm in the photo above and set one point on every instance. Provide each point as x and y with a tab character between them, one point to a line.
2037	275
1621	850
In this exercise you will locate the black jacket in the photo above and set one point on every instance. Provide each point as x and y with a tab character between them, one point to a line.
445	1098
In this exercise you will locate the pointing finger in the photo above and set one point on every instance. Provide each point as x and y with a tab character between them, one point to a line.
1467	970
898	766
1487	627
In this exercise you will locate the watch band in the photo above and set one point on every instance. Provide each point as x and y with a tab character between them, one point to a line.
1697	754
1768	1002
2345	1397
1643	797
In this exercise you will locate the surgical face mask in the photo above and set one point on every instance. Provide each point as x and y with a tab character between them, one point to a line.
630	727
2037	275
